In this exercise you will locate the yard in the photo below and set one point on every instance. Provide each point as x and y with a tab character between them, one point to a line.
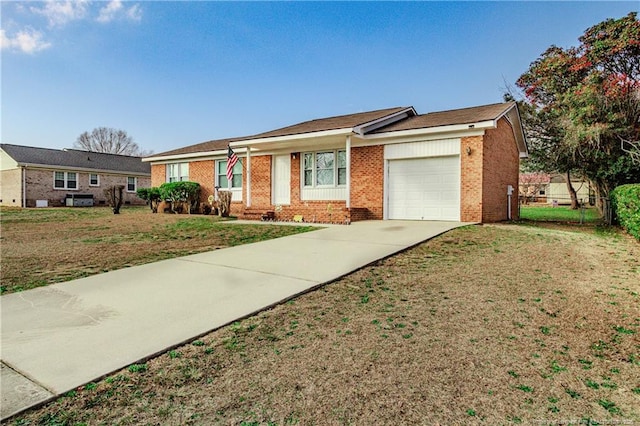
494	324
45	246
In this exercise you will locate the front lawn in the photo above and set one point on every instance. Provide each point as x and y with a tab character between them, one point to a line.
559	214
501	324
45	246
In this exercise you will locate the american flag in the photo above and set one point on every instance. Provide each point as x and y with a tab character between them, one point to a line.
232	159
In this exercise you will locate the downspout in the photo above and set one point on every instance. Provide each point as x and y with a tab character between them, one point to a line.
248	177
24	187
348	160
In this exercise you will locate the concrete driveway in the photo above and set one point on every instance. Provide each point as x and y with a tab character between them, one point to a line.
59	337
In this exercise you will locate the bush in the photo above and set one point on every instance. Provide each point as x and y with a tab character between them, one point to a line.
179	193
151	196
625	200
114	197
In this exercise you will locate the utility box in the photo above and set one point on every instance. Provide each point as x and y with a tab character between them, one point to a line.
79	200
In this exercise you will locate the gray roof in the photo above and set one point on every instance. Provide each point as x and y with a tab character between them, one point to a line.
76	159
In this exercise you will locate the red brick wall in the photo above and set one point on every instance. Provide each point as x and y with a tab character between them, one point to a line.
471	177
367	181
260	181
500	168
158	174
203	173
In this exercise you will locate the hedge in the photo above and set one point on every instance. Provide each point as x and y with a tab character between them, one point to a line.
183	192
626	206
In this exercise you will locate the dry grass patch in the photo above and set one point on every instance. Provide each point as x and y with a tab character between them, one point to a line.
491	324
45	246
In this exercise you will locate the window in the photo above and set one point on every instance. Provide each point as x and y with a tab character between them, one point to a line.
65	180
326	168
94	179
131	184
177	172
221	175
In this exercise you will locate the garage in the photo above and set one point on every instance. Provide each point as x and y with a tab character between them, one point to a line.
424	188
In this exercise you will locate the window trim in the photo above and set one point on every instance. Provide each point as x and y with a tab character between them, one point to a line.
314	169
135	183
217	175
65	180
97	179
181	176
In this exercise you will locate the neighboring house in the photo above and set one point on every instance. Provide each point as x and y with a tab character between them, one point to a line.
31	177
534	187
386	164
557	192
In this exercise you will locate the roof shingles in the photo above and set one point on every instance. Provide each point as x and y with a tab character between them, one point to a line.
72	158
434	119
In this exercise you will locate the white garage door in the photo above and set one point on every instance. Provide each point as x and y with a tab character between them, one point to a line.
424	188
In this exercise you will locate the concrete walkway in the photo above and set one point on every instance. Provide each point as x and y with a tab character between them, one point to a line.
59	337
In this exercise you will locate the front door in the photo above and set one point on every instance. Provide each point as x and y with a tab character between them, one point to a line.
281	179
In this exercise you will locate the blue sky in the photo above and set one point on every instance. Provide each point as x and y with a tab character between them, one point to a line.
178	73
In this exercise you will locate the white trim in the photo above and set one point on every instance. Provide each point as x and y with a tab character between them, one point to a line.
167	175
324	193
311	135
98	179
248	183
81	169
423	149
135	184
216	181
348	166
417	138
66	181
384	121
471	127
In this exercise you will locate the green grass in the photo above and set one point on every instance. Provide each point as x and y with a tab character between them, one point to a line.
558	214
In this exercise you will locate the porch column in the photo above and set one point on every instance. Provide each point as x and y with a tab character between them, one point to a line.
248	176
348	159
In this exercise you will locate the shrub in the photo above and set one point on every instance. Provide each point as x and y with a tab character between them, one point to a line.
626	206
179	193
114	196
151	196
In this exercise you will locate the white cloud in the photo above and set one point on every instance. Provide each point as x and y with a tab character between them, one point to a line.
114	9
27	41
58	13
134	12
108	13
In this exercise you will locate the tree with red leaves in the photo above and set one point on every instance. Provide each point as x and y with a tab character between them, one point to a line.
584	105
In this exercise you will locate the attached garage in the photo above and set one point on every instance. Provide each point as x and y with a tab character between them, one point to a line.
423	180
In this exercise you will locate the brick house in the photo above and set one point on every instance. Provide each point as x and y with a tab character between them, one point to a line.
387	164
31	176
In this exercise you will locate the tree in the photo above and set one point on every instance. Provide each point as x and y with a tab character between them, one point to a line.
109	140
585	105
114	197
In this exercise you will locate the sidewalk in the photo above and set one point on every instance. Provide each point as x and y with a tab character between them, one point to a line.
59	337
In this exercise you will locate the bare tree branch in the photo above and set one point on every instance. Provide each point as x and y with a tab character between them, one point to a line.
108	140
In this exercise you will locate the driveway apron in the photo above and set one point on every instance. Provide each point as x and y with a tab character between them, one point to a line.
65	335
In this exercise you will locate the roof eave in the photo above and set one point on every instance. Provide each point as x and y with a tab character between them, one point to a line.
81	169
513	117
384	121
287	138
481	125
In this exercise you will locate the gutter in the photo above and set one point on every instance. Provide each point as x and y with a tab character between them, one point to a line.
83	169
